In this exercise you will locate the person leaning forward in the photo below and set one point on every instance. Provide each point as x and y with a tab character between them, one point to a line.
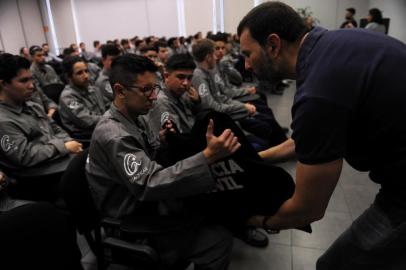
349	104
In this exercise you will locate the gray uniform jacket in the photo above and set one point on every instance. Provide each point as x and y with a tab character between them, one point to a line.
39	97
228	70
81	110
227	88
122	171
94	71
213	98
28	137
181	111
103	84
44	75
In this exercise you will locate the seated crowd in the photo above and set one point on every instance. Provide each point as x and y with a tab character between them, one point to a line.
53	107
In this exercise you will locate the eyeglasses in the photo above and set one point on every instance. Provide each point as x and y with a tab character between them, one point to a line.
146	90
184	77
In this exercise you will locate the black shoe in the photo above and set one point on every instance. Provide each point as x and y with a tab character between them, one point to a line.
254	237
285	130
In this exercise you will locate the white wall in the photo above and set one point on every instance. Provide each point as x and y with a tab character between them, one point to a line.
20	24
63	20
105	19
234	11
396	11
198	16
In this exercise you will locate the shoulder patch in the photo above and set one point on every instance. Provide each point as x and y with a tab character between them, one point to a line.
164	117
73	105
203	91
6	144
107	87
131	164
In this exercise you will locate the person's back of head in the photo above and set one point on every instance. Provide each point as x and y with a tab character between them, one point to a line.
202	48
109	50
375	15
273	18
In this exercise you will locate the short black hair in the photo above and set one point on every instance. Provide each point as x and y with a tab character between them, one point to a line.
96	43
202	48
34	49
273	17
162	44
182	61
148	48
219	37
376	15
44	44
68	63
124	41
351	10
10	65
67	51
171	41
108	49
125	68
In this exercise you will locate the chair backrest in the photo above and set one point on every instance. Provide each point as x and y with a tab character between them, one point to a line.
53	91
76	193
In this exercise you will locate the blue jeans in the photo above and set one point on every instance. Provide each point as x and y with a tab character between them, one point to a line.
371	243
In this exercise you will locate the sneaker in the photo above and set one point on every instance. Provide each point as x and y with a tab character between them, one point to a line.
254	237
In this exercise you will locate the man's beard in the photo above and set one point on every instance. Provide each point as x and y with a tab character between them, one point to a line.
266	70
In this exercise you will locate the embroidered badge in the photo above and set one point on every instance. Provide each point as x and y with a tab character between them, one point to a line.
73	105
6	145
203	90
131	164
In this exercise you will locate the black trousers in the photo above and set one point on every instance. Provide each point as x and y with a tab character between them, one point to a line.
38	236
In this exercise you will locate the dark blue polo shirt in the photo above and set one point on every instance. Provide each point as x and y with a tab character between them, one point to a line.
351	103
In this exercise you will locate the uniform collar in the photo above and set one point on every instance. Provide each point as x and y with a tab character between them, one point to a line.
14	109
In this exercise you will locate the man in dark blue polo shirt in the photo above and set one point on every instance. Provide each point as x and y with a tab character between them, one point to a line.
350	104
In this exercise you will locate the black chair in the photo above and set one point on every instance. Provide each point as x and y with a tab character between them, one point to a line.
76	193
53	91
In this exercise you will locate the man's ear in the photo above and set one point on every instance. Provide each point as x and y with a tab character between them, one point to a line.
166	75
118	90
273	43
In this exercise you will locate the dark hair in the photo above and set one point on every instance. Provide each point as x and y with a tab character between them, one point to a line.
67	51
22	50
160	44
273	17
219	37
124	41
125	68
148	48
351	10
81	43
44	44
34	49
138	42
108	49
376	15
96	43
68	63
182	61
10	65
171	41
202	48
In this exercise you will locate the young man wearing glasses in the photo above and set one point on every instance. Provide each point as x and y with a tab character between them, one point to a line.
125	177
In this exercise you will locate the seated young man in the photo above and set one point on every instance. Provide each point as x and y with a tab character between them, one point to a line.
211	91
124	175
177	106
32	145
42	73
81	104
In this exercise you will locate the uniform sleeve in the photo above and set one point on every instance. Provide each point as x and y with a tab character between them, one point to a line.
77	113
21	152
105	88
162	111
233	108
148	180
60	133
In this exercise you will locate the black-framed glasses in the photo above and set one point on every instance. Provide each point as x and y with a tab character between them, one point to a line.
184	77
146	90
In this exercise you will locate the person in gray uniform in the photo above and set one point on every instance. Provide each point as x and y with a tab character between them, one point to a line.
109	52
81	105
124	174
31	144
39	97
42	73
263	126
